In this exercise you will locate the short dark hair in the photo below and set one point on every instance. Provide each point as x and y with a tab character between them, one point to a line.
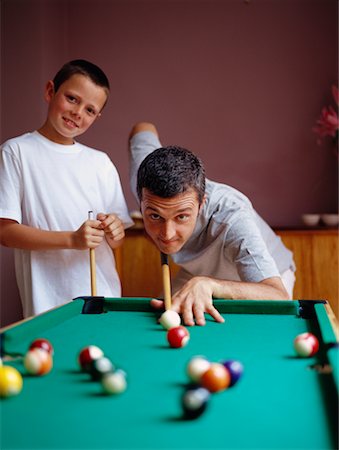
169	171
82	67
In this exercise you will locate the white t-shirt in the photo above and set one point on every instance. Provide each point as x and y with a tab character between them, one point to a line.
52	187
230	240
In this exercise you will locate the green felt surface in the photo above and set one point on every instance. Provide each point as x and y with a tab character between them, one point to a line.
279	402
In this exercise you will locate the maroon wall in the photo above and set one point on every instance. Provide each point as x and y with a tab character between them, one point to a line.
239	82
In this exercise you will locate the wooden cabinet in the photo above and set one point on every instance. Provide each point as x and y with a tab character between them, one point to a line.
139	267
315	254
316	257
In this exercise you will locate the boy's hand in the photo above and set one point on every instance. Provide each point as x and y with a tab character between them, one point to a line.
89	235
112	227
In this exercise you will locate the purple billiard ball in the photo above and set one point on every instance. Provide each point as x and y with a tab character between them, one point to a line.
235	369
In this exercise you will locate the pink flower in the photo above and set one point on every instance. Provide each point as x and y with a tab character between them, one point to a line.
328	122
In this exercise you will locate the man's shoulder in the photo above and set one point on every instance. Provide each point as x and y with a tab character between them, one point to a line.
221	197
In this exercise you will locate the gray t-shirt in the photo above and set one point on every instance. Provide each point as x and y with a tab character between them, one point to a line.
230	240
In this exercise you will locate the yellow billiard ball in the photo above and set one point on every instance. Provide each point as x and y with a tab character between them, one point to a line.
10	381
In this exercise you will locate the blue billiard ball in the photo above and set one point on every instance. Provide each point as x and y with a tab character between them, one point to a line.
235	369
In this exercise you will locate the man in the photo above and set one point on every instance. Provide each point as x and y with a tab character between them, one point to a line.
224	248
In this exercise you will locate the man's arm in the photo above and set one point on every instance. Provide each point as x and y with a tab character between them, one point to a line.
143	126
196	296
140	147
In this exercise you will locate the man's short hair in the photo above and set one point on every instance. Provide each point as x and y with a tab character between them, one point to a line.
169	171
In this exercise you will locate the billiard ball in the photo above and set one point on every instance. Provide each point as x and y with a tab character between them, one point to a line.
216	378
196	367
87	355
10	381
306	344
38	362
235	369
100	367
114	382
170	319
43	344
178	336
194	401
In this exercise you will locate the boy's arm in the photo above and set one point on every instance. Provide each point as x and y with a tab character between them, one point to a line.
113	228
15	235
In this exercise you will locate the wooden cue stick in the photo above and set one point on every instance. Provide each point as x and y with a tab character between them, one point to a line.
166	281
92	264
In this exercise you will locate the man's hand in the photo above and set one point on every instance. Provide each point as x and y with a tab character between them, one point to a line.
192	301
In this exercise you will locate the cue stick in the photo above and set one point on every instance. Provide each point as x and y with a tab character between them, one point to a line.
92	264
166	280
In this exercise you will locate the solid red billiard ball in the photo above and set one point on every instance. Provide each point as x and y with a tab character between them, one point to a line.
38	362
44	344
178	336
216	378
306	344
235	369
87	355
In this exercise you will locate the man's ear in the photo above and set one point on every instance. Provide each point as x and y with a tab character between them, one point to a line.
202	203
49	91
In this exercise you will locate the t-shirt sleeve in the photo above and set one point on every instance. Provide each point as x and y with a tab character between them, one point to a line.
116	202
246	248
10	185
141	145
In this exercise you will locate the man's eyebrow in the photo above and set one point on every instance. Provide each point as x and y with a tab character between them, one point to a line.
181	210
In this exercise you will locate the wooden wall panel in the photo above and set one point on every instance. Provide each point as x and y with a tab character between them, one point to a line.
316	257
139	266
315	253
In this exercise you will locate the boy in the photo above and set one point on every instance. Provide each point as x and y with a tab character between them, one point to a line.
49	182
224	249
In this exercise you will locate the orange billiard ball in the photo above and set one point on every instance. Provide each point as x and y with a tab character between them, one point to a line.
216	378
38	361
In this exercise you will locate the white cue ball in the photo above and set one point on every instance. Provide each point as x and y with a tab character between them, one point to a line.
114	382
170	319
196	367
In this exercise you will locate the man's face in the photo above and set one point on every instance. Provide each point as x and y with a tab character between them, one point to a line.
170	221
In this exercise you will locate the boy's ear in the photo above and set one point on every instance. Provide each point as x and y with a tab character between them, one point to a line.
49	91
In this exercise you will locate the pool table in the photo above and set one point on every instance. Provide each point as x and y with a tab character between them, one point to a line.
282	401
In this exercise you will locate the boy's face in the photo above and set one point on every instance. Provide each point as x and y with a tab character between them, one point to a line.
72	109
169	221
